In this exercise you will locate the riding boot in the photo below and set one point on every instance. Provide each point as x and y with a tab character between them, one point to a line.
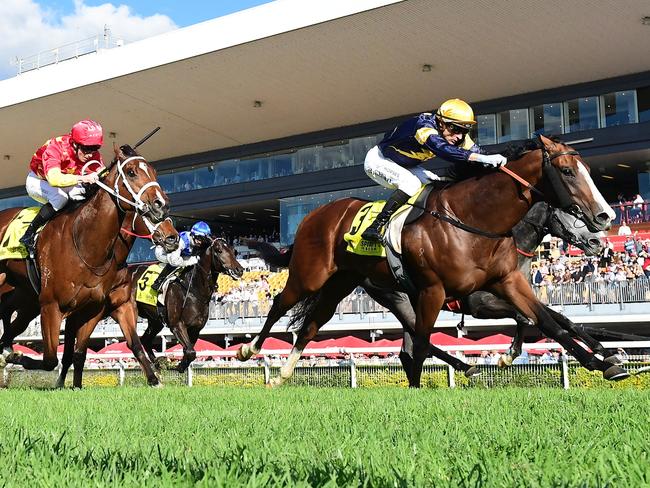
166	271
376	230
44	214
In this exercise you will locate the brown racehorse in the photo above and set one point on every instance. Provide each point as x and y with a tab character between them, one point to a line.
540	220
443	251
27	308
187	300
77	334
75	251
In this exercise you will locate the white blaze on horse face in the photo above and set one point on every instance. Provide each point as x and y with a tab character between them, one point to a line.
143	167
598	198
159	195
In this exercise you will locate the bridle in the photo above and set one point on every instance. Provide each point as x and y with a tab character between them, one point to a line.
143	209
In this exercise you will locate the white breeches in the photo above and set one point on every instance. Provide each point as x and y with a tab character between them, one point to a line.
391	175
41	191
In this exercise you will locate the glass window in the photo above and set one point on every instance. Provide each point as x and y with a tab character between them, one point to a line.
581	114
486	129
513	125
307	159
643	103
546	119
619	108
294	209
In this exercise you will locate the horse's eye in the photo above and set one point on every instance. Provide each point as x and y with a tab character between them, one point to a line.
567	172
130	173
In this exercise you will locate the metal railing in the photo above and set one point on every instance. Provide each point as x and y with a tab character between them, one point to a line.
68	51
618	292
562	374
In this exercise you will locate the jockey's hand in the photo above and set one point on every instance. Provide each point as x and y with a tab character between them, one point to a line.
89	178
77	193
491	160
431	175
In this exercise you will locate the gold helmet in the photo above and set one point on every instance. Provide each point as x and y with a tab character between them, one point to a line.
457	112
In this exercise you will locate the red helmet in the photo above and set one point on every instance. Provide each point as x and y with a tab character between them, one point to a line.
87	133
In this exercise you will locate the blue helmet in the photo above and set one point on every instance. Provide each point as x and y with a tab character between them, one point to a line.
201	229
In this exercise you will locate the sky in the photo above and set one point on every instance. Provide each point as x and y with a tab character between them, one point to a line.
31	26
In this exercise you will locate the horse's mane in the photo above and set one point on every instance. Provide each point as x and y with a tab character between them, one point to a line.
516	151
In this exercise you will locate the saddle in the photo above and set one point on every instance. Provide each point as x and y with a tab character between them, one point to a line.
145	293
12	248
406	214
392	247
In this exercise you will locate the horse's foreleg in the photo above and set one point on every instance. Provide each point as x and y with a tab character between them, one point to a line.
68	350
515	288
51	318
428	307
126	316
154	327
579	333
189	354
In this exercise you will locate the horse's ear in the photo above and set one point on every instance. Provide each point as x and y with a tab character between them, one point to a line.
117	150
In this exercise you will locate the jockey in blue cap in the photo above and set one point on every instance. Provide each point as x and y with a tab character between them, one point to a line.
185	255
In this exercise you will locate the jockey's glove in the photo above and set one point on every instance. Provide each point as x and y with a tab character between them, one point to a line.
431	175
491	160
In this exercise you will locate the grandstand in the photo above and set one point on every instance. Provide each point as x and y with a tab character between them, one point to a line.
283	62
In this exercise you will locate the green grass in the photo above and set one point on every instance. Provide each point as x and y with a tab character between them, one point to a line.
324	437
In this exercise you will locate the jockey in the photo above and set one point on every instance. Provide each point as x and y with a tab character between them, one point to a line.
183	256
55	173
395	162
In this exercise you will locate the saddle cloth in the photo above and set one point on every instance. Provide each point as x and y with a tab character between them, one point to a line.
11	248
393	234
146	294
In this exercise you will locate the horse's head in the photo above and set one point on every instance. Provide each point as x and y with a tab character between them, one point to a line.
134	180
568	179
162	234
570	229
223	259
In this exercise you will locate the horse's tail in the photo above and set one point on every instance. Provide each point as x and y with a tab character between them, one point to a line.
302	311
270	253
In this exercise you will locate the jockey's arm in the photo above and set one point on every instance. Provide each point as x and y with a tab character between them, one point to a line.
52	157
56	177
174	258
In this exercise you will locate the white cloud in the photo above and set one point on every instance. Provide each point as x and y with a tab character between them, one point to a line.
27	28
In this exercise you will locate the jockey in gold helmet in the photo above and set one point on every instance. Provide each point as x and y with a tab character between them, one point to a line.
395	162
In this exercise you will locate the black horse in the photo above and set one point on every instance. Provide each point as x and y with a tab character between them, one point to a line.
528	234
187	301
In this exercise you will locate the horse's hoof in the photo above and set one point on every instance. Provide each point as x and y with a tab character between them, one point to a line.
615	373
14	357
613	359
274	382
244	353
473	372
505	360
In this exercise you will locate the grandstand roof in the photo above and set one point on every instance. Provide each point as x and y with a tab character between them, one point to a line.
317	66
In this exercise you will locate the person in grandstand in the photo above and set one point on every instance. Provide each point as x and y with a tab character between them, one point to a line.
395	162
55	173
186	253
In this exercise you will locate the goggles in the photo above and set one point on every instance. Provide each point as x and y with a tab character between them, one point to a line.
88	149
456	129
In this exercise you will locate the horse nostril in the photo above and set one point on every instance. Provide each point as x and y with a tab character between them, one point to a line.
594	242
603	217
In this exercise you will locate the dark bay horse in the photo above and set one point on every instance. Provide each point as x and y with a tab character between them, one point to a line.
75	251
188	298
540	220
76	333
460	245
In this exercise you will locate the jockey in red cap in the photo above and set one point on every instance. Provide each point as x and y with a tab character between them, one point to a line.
55	172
